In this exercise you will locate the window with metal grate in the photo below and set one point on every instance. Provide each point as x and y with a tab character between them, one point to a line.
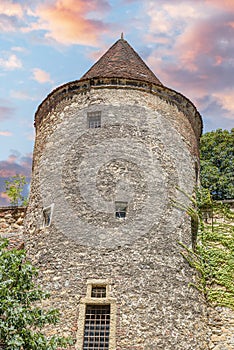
94	120
98	292
97	327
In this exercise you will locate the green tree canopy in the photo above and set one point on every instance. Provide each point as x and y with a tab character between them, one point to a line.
217	163
14	189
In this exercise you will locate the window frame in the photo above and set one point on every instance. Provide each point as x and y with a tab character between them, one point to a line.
47	212
88	300
94	117
125	210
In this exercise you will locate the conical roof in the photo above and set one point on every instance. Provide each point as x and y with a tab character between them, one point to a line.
121	61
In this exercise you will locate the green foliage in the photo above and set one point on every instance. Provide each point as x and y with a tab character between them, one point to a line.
214	255
21	322
14	189
217	163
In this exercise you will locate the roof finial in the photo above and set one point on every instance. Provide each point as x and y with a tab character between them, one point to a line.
122	36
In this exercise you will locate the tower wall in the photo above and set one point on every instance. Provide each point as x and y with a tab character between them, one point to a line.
145	150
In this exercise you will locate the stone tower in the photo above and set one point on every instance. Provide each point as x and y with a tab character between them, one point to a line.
112	149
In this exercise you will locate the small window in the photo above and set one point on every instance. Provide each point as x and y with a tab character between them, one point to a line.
98	292
94	120
121	209
47	215
97	327
196	172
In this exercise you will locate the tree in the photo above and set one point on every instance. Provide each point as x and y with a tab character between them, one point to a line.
217	163
21	321
14	189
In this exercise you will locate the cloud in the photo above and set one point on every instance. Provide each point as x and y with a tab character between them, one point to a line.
194	50
71	21
226	100
16	164
66	22
215	114
11	63
6	112
41	76
222	5
4	200
5	133
22	95
8	24
10	8
18	49
11	14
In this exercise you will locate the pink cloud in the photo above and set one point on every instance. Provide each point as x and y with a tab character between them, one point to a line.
196	57
71	21
41	76
226	100
10	8
16	164
222	5
4	199
5	133
6	112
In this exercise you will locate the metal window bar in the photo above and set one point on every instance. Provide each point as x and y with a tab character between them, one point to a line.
98	292
94	120
97	327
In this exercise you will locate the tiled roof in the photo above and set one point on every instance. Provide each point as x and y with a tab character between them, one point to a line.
121	61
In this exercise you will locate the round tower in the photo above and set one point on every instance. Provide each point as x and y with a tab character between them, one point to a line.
113	151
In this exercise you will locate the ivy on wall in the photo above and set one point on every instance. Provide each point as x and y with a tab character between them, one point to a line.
213	254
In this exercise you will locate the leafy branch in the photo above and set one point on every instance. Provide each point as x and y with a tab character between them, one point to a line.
21	321
14	189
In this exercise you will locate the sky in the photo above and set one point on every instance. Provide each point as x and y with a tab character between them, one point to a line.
188	44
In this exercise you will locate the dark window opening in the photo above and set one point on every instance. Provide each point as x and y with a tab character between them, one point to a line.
94	120
196	172
121	209
98	292
47	213
97	327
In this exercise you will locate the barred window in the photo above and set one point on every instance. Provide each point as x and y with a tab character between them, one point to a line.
98	292
97	327
94	120
121	210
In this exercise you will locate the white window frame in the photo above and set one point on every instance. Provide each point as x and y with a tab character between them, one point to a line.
45	211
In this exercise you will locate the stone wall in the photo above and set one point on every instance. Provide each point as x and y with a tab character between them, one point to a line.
221	328
11	225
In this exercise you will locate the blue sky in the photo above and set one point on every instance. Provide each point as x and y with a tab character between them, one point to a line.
44	43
